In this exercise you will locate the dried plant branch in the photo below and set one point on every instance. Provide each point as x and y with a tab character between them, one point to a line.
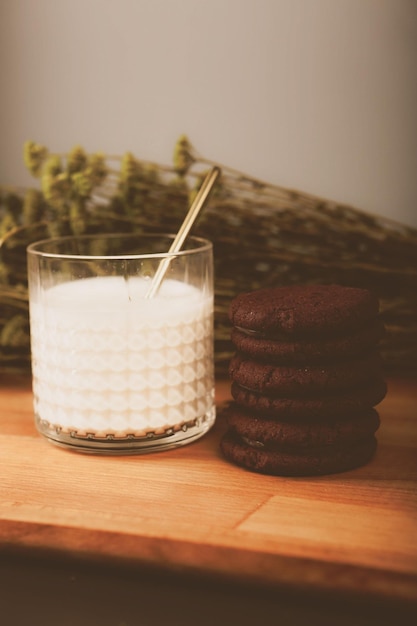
263	235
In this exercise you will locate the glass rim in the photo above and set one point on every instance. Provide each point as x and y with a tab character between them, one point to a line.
35	249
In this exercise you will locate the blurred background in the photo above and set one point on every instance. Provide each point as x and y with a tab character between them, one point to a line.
315	95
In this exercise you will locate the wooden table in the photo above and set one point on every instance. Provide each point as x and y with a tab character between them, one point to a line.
188	510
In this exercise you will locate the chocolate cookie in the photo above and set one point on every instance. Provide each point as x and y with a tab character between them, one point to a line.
276	434
305	380
298	462
341	403
287	350
323	310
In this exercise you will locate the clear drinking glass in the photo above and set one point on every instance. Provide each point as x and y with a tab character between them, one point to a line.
114	370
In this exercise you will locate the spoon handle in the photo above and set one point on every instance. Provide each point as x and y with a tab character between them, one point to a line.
185	228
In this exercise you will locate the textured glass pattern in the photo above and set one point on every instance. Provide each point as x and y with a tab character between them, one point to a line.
104	370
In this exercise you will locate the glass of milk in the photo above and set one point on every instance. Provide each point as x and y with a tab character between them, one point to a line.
114	370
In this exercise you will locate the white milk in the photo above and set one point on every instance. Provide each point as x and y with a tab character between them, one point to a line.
107	361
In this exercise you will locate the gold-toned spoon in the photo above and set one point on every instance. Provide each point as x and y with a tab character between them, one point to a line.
185	228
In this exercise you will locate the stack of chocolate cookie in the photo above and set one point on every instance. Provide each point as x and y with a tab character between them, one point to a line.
306	377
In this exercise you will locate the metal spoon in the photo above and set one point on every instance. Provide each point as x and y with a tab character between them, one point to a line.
189	220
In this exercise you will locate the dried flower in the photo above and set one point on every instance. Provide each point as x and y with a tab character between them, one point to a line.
183	159
33	206
55	183
284	237
34	155
130	168
82	183
98	168
77	160
78	216
53	166
55	188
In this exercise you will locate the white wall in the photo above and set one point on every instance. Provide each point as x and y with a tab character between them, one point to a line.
318	95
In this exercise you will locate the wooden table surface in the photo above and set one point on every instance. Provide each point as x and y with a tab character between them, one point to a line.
190	510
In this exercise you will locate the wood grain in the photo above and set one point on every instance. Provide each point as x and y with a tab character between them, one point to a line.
189	509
